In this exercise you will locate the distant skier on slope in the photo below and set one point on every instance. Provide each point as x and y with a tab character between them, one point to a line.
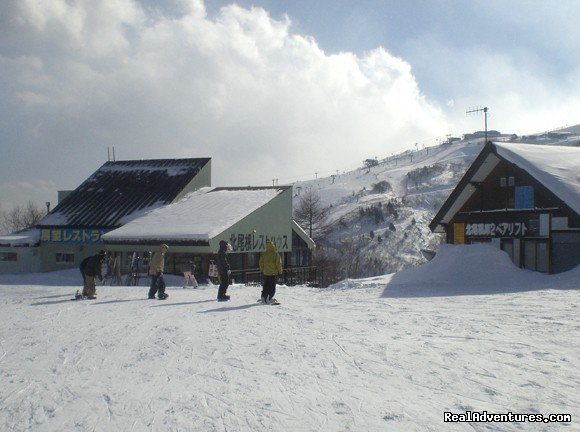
271	267
223	271
156	269
90	268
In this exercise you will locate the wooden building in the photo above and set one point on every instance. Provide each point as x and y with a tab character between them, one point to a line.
523	198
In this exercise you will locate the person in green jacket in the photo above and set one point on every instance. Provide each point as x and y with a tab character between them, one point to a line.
271	267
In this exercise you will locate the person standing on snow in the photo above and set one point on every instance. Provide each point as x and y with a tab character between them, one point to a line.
90	269
223	271
156	268
271	267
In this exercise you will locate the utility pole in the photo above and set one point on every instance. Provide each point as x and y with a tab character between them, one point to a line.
478	110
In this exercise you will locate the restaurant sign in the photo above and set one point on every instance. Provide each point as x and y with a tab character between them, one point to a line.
72	235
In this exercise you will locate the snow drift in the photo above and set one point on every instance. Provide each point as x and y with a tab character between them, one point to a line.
465	270
473	269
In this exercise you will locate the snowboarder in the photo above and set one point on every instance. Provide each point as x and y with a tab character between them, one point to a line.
271	267
90	268
156	269
223	271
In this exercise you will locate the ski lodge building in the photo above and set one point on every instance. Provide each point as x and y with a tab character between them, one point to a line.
523	198
131	207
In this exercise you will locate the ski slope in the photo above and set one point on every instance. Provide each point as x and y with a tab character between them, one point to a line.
377	354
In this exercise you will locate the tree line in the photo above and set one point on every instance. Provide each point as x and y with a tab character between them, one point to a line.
20	217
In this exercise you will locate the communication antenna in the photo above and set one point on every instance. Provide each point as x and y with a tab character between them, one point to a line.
109	154
478	110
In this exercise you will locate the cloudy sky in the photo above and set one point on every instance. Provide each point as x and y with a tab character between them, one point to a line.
269	88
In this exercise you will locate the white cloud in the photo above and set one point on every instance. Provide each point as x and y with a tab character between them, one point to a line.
239	87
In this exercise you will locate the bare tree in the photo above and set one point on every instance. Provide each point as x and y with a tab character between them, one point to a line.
310	215
20	217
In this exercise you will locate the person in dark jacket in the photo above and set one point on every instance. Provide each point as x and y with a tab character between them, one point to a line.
156	269
223	271
90	269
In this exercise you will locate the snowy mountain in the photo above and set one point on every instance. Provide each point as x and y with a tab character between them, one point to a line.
379	214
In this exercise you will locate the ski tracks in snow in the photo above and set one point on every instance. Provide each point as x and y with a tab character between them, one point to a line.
323	360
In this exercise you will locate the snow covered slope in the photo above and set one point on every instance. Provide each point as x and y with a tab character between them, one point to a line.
379	215
356	357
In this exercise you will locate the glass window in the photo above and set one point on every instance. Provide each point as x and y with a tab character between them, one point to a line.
8	256
65	258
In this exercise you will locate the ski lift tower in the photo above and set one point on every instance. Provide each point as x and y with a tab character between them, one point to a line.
484	110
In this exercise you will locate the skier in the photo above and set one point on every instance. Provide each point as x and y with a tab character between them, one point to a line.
90	268
223	271
156	269
271	267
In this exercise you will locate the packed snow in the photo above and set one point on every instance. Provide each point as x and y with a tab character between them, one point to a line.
466	332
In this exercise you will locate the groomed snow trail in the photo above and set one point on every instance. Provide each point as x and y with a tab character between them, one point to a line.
325	360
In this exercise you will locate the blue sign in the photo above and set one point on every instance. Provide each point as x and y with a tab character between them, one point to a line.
524	197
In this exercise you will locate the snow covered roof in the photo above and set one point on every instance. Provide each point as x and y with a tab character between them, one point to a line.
199	216
121	190
21	238
555	167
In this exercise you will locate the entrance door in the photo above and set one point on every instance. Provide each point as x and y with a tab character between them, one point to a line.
507	245
536	255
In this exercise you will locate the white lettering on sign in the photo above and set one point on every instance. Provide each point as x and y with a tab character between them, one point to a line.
502	229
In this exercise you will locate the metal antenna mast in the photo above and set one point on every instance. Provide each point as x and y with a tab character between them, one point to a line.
478	110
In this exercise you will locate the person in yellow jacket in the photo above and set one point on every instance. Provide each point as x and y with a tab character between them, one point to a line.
156	268
271	267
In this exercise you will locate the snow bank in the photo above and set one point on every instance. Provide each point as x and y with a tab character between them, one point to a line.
473	269
465	270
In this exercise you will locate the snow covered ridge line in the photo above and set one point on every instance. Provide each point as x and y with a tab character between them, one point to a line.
485	417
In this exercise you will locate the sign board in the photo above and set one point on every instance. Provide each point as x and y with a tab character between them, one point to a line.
72	235
458	233
499	229
251	242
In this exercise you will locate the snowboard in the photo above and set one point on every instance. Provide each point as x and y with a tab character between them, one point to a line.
79	296
276	303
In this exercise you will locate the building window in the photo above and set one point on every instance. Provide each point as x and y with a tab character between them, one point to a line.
65	258
502	182
8	256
